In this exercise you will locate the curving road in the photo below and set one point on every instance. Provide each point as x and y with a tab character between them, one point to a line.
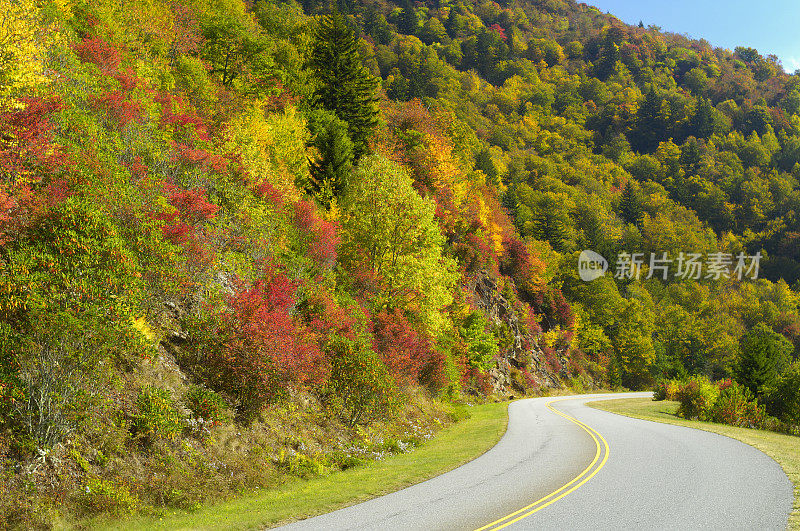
563	465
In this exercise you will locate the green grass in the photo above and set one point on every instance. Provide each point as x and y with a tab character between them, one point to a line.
785	449
452	447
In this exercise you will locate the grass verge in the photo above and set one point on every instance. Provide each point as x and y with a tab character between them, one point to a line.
785	449
452	447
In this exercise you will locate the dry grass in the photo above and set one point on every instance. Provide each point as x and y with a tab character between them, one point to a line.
453	446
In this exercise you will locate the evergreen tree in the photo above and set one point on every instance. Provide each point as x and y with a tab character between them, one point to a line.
343	84
550	222
764	355
409	21
702	122
334	162
630	207
649	129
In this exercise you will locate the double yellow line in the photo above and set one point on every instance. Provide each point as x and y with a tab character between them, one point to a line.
587	474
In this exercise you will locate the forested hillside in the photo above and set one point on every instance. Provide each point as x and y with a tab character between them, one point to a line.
236	237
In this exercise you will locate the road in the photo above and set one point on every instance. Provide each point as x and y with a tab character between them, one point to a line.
595	470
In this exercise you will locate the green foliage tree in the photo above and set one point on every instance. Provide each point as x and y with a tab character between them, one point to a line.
344	86
236	49
481	344
409	20
650	126
360	389
702	122
763	356
783	398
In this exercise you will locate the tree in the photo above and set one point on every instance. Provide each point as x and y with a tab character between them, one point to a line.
235	48
334	162
409	21
23	41
635	353
630	207
757	119
390	231
433	31
764	354
783	399
650	126
344	86
702	121
549	220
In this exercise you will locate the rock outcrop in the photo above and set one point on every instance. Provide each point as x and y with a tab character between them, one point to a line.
515	357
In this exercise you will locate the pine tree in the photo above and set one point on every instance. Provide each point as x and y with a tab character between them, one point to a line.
409	21
630	208
764	355
702	122
335	155
343	84
650	124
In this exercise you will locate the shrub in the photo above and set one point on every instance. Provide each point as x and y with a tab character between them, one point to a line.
253	350
301	465
481	343
735	406
696	397
408	354
205	404
157	417
666	390
101	496
360	388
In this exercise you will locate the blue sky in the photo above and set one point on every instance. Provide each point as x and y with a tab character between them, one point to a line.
770	26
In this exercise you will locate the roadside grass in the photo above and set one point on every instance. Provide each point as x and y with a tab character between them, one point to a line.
785	449
453	446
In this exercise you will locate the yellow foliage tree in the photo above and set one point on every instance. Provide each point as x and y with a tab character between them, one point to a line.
23	44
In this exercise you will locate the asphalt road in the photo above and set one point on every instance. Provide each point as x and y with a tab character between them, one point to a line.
595	470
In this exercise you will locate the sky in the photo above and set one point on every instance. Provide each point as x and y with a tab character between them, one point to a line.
770	26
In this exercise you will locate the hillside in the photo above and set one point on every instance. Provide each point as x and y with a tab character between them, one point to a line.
238	240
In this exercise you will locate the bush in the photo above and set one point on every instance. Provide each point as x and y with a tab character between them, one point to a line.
696	397
666	390
735	406
101	496
360	388
301	465
253	350
157	417
205	404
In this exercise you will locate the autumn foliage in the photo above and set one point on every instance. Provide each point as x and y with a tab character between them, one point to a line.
254	349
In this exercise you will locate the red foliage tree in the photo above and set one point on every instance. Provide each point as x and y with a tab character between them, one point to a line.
497	28
269	193
118	107
193	205
325	316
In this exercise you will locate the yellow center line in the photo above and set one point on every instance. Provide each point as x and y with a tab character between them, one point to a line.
581	478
